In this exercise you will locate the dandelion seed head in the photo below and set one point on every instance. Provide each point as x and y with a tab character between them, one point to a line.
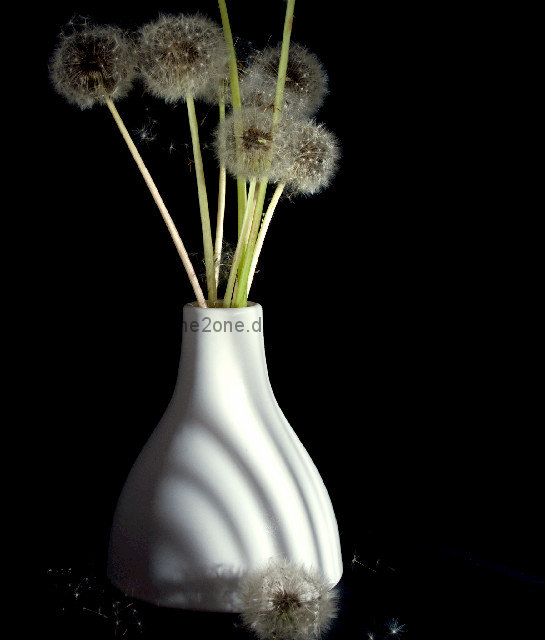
305	86
256	145
92	64
181	54
315	157
284	601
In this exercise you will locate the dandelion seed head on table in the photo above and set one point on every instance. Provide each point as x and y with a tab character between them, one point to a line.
285	601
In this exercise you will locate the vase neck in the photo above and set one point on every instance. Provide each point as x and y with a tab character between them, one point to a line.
223	346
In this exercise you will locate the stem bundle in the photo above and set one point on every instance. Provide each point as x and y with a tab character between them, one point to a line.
203	201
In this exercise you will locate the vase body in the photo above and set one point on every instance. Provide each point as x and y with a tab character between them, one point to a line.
223	483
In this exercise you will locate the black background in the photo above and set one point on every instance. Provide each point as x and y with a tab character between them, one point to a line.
400	320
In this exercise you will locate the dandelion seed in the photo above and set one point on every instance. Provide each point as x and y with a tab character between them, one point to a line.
92	65
394	628
146	134
226	260
98	613
355	559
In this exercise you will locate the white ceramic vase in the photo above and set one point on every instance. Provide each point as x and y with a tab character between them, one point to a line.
223	483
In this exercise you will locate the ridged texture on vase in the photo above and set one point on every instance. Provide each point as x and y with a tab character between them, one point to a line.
223	484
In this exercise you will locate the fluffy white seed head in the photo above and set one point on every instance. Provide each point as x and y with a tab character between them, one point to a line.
315	156
181	54
256	145
306	80
93	64
284	601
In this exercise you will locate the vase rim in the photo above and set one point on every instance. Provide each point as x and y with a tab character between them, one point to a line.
195	305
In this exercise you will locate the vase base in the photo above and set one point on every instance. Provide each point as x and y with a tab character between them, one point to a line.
215	593
202	595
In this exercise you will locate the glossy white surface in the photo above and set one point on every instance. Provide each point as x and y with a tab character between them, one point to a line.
223	483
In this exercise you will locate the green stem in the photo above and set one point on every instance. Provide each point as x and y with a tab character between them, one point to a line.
233	71
283	64
221	195
160	205
262	231
219	224
242	201
242	293
237	104
240	246
203	201
246	236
